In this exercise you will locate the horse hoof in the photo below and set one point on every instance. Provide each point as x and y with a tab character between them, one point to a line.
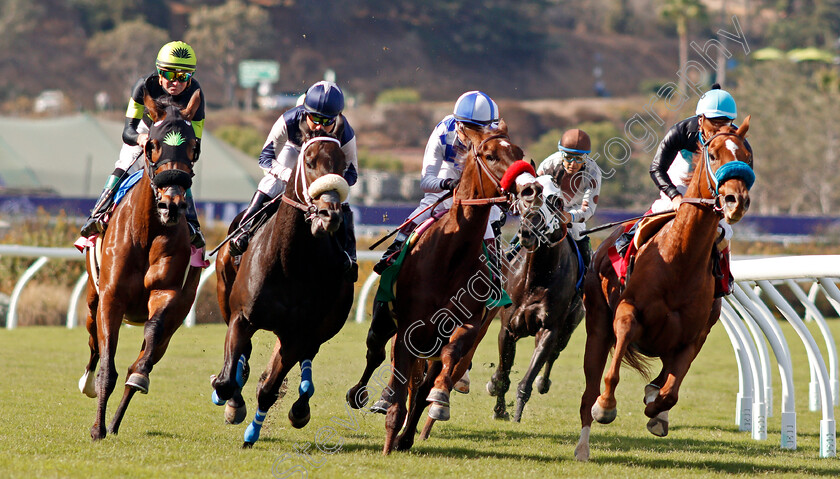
438	396
439	412
247	445
86	385
603	416
501	415
582	452
356	398
658	427
463	384
234	414
542	384
299	414
139	382
380	407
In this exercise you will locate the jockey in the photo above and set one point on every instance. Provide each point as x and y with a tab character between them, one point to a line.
672	163
579	181
173	80
321	110
441	170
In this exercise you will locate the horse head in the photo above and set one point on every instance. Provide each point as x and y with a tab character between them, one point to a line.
544	226
497	167
170	153
319	182
728	165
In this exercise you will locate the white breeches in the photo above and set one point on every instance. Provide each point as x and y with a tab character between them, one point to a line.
430	198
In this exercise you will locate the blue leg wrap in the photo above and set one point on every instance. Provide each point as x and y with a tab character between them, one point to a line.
252	433
216	400
240	371
306	389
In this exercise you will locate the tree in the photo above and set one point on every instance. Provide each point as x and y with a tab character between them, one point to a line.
128	51
225	35
680	12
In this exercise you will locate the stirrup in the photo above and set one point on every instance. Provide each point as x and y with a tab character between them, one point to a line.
93	225
239	243
196	236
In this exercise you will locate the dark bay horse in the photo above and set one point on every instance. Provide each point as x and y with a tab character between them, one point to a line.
668	307
289	281
442	289
140	269
542	282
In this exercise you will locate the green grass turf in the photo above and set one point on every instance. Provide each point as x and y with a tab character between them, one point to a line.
176	431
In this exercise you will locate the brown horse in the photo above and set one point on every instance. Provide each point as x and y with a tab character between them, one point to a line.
668	307
442	290
542	281
289	281
140	269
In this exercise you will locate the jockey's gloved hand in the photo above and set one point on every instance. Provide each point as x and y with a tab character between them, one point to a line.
449	184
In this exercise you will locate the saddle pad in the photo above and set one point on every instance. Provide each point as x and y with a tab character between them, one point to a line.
126	185
649	226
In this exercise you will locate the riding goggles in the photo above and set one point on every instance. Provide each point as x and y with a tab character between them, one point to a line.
170	75
571	158
321	119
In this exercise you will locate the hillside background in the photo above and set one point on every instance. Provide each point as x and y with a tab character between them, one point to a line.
608	66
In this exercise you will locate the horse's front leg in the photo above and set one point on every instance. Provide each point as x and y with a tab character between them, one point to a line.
107	328
235	370
460	342
269	389
382	328
546	344
417	406
500	381
87	382
157	333
395	418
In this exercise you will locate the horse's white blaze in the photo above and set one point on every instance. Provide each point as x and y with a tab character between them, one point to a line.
731	146
504	143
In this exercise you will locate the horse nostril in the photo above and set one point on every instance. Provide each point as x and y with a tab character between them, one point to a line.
528	192
729	199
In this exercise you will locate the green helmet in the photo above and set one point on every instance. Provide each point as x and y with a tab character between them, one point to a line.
176	56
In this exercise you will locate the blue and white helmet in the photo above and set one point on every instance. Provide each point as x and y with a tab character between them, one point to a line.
324	98
477	108
717	103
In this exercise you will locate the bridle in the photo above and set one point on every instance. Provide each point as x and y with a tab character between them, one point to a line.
729	170
303	201
483	170
174	177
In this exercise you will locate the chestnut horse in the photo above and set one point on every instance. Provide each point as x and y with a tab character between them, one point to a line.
290	281
442	289
543	285
668	307
143	275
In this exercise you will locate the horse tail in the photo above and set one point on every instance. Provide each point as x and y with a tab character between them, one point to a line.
638	361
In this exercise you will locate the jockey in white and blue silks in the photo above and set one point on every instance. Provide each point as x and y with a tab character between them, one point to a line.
441	168
321	110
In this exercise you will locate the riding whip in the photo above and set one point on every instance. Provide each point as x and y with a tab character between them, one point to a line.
242	225
397	229
616	223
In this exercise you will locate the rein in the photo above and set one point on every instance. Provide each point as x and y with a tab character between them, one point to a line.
483	168
305	203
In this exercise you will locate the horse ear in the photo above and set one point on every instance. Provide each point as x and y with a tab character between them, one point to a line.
192	107
503	126
533	164
152	108
745	126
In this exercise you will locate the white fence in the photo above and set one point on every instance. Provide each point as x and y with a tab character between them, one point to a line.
746	316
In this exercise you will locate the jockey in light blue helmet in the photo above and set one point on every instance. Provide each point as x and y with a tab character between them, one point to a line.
477	108
717	103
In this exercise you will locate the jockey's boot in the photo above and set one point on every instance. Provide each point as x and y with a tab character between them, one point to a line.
351	265
515	246
393	250
494	265
196	236
724	282
624	240
95	223
248	223
585	248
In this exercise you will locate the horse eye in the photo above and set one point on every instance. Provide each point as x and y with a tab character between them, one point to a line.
490	158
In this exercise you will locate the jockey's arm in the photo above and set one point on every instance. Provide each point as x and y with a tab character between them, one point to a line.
351	174
580	213
670	146
134	114
277	137
432	162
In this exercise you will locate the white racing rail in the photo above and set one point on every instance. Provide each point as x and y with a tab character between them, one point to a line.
746	316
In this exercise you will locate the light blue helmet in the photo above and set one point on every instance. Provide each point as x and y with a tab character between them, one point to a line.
717	103
477	108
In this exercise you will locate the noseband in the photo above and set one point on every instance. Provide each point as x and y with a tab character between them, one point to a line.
173	153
